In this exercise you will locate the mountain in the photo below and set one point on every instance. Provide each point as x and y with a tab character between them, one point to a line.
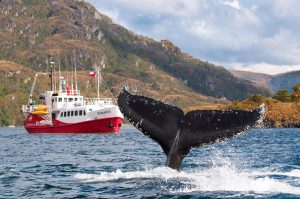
274	82
31	31
285	81
257	78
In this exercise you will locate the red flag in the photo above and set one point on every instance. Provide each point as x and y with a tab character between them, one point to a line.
93	74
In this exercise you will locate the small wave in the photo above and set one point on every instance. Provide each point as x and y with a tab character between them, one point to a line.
221	178
160	172
294	173
228	179
49	186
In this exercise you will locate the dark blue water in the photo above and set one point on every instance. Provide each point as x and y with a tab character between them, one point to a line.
259	164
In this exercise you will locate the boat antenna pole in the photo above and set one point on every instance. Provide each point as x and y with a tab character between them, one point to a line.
75	72
59	73
72	73
30	101
98	81
51	75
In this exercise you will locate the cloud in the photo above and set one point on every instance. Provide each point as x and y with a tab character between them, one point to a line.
233	3
256	34
261	67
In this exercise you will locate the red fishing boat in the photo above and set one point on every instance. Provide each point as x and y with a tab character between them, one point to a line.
66	111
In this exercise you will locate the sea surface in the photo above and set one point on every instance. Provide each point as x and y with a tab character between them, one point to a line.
262	163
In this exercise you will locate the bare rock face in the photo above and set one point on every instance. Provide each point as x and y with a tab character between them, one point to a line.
97	16
168	45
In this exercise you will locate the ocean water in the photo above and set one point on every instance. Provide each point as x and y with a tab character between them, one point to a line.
263	163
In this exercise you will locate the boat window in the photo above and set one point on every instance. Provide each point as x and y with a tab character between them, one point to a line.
76	99
52	100
84	113
65	100
65	114
61	114
76	113
80	112
72	113
70	99
68	113
60	99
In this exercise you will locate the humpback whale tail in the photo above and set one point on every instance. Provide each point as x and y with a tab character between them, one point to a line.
177	132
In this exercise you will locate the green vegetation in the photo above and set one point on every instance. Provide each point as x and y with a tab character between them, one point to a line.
296	88
285	96
282	95
285	113
283	109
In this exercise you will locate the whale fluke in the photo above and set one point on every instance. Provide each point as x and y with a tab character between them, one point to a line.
177	132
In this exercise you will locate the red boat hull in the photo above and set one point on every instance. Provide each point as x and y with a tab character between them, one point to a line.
107	125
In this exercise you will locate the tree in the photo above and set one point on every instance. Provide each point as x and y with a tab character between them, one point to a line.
296	89
282	95
257	98
296	95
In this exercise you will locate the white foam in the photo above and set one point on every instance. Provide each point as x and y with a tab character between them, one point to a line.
160	172
293	173
222	178
228	179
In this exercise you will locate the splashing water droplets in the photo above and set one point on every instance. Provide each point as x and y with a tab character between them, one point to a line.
222	175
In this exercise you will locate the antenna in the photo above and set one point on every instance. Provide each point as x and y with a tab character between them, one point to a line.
30	101
51	75
32	87
75	71
58	64
98	80
72	81
59	73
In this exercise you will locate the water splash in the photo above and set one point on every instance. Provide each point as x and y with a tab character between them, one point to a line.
223	175
260	121
221	178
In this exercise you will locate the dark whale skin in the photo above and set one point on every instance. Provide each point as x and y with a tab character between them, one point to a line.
177	132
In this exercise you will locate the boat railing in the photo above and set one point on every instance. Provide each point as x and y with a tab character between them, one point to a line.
30	108
25	109
98	101
69	92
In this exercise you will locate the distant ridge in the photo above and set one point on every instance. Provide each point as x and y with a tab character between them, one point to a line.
258	78
274	82
285	81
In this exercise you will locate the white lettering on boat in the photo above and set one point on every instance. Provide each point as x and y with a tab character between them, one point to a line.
43	123
104	112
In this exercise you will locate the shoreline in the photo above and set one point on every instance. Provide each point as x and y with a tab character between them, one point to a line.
267	126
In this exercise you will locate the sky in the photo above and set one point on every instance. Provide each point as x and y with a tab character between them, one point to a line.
252	35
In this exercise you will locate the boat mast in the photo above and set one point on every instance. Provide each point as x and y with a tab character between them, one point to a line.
30	101
75	72
51	75
72	81
98	81
59	74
